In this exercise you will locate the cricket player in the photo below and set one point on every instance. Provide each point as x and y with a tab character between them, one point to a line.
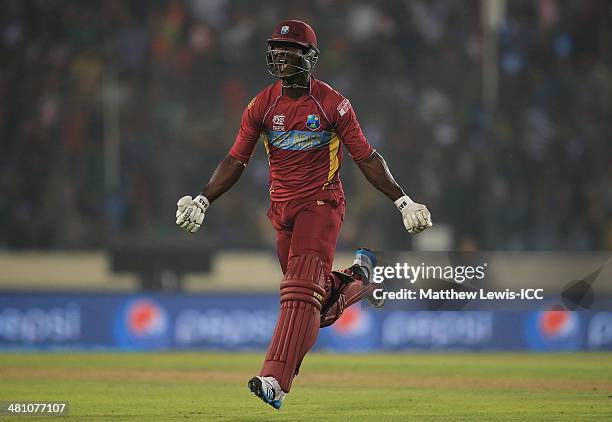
303	123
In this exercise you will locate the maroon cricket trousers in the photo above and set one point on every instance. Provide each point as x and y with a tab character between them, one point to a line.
306	234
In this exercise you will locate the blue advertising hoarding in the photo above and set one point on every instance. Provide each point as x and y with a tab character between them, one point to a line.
246	322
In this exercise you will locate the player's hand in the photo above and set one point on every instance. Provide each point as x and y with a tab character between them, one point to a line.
190	212
416	216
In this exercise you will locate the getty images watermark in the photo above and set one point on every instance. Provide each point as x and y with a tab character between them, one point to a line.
493	280
460	283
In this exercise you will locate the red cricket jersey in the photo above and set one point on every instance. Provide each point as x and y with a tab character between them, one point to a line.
302	138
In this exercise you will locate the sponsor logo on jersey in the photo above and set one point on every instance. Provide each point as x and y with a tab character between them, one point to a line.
313	121
298	140
284	30
344	107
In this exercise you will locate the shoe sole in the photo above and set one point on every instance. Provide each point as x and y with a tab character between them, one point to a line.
256	388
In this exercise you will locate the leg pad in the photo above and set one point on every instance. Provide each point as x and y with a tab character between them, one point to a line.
301	296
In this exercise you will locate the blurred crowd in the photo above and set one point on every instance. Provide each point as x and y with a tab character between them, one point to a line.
161	85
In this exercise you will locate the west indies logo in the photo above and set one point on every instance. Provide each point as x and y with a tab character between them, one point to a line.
553	330
142	323
313	122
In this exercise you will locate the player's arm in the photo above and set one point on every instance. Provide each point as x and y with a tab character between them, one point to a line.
190	211
223	178
375	169
416	216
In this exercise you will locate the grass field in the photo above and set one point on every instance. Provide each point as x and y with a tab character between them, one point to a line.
204	386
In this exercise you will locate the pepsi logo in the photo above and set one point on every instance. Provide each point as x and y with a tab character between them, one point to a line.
354	321
557	323
146	318
355	331
553	330
142	323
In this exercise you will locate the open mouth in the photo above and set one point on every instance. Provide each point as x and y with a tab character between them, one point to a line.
283	63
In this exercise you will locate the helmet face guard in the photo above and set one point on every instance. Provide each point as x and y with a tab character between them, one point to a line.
279	59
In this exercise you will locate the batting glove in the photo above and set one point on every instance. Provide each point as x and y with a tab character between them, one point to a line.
416	216
190	212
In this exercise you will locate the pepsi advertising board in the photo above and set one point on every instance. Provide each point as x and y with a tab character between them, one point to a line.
246	321
225	322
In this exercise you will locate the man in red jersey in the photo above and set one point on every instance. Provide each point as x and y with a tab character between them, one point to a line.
303	123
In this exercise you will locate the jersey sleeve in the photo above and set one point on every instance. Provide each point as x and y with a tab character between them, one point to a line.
248	134
349	130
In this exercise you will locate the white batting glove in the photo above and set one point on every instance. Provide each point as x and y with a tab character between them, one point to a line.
190	212
416	216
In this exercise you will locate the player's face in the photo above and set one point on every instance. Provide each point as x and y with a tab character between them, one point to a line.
285	60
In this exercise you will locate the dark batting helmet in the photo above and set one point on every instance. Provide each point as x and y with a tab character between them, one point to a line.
292	32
